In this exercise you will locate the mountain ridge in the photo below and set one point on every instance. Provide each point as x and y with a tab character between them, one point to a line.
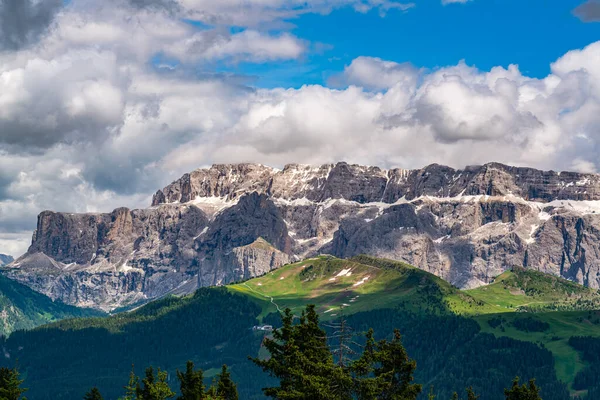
466	226
226	179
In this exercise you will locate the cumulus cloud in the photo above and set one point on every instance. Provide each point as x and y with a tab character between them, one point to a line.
75	85
588	11
376	74
88	123
22	21
15	243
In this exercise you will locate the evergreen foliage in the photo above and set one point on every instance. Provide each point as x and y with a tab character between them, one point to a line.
10	384
302	361
300	358
523	392
93	394
587	378
191	383
24	308
155	386
226	388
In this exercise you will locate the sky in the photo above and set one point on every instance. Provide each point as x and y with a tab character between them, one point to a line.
104	102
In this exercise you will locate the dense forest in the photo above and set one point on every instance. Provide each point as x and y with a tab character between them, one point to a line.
210	328
214	327
305	365
589	377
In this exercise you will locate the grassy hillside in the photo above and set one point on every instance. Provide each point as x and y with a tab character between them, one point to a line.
23	308
532	291
521	304
540	308
359	284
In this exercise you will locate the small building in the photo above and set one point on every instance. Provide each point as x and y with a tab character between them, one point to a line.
263	328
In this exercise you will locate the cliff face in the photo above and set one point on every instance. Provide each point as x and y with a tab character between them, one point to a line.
371	184
232	222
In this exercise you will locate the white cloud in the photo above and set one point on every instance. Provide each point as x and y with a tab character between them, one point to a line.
254	13
376	74
15	244
87	124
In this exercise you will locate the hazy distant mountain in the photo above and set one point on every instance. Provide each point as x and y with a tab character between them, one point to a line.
4	259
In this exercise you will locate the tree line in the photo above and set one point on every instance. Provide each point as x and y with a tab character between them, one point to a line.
305	367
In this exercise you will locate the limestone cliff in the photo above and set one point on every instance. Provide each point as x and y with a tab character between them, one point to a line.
232	222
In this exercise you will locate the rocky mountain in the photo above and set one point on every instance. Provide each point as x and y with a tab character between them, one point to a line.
232	222
4	259
23	308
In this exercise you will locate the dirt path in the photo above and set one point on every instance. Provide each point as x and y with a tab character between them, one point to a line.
264	295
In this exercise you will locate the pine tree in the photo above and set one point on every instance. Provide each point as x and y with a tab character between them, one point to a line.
191	383
93	394
155	387
471	394
10	384
302	361
133	389
226	388
394	371
211	393
431	395
523	392
366	386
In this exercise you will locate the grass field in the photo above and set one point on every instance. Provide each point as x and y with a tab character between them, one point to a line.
332	283
555	308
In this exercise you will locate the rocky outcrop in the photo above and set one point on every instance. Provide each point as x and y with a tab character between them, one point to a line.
4	259
233	222
371	184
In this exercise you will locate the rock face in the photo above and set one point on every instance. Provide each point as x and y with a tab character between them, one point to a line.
232	222
4	259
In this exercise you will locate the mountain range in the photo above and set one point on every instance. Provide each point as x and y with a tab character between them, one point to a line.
229	223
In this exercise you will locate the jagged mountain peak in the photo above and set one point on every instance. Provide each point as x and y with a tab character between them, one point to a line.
365	184
466	226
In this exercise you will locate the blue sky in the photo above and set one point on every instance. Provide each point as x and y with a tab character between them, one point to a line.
105	101
484	33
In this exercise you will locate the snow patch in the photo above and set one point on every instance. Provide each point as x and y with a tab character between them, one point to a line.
362	281
580	206
531	238
344	272
202	233
127	269
295	202
440	240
